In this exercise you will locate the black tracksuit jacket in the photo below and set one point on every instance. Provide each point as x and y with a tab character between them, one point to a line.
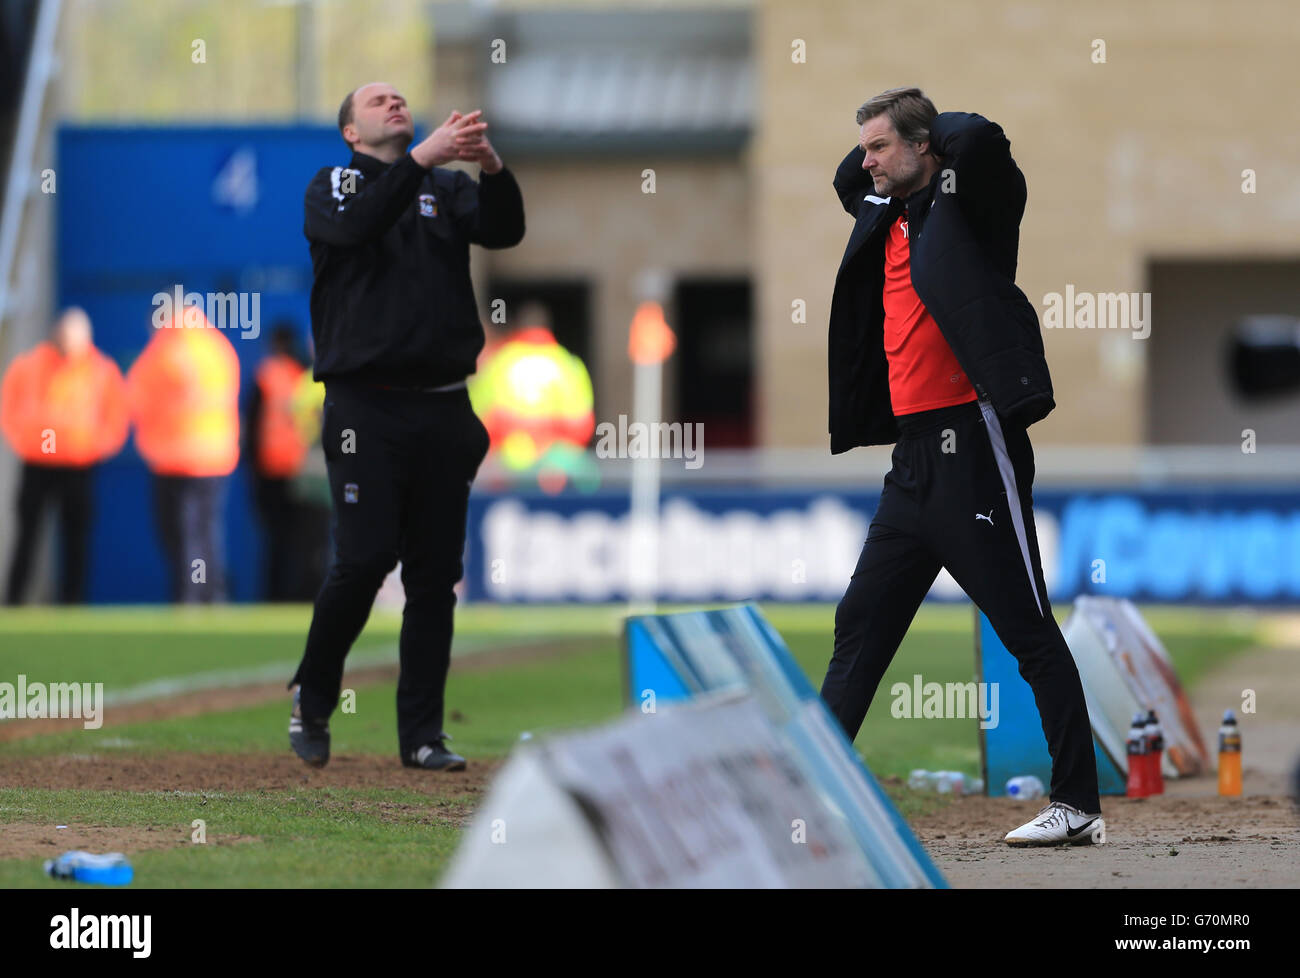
963	246
391	298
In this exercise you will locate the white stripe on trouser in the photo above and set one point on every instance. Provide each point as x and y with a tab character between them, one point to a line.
1008	473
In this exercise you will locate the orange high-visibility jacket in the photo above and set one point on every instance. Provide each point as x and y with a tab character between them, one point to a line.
281	449
184	395
64	411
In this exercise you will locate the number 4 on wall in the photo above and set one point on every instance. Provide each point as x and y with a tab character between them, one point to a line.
235	185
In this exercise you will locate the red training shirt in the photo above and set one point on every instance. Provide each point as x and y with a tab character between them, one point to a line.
923	372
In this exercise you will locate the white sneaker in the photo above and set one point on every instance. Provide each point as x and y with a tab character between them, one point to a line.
1059	824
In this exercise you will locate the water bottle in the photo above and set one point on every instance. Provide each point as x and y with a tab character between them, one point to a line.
1024	787
1229	756
944	782
1155	742
1135	749
109	869
950	783
920	780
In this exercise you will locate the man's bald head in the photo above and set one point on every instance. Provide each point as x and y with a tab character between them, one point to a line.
72	333
375	119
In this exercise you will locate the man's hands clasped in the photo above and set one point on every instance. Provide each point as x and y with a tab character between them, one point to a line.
461	137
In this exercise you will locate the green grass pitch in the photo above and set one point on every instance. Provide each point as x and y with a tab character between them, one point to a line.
567	673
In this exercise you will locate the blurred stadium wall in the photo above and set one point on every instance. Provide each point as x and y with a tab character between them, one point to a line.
742	110
1134	168
133	61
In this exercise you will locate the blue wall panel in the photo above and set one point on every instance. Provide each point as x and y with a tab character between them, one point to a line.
217	209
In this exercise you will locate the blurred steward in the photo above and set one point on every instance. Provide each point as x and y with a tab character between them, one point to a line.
62	409
535	399
315	547
184	397
277	450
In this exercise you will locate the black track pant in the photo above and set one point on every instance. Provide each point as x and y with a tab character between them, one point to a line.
959	496
400	466
70	487
282	518
190	515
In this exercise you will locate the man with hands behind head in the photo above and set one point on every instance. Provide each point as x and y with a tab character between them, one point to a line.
933	348
397	330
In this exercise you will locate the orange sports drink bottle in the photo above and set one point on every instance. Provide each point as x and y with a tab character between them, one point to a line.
1229	756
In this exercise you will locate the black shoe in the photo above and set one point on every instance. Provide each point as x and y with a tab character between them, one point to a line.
310	739
434	757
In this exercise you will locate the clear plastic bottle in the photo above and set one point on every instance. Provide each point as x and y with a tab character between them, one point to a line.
1024	787
944	782
950	783
921	780
109	869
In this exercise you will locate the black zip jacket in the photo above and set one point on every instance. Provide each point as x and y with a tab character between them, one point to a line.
391	298
963	246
